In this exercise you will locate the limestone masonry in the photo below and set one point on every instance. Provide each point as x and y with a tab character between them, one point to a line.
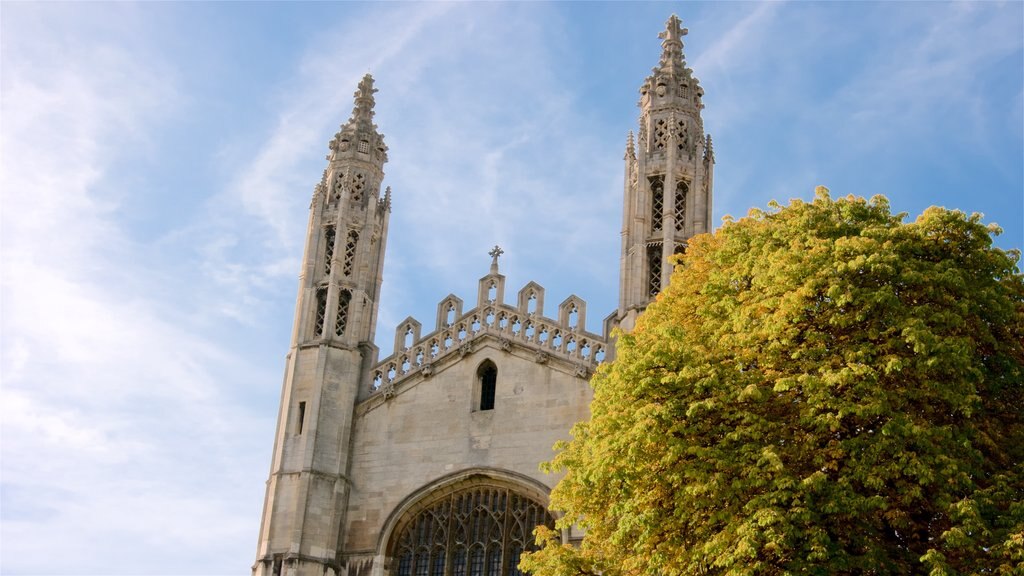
425	463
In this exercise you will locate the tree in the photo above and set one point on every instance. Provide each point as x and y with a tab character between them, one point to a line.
822	389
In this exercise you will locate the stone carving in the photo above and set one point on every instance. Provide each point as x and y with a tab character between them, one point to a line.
541	358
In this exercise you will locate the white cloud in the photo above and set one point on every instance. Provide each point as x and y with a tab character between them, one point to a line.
106	393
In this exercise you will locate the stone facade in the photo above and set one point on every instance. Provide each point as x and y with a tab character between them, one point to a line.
426	462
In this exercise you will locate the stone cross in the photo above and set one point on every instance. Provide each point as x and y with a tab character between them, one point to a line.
494	253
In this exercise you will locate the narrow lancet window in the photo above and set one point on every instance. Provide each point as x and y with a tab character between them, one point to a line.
680	208
487	375
350	252
657	202
302	418
341	321
654	270
328	250
321	312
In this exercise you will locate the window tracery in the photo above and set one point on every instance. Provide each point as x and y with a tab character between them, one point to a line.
328	249
657	202
654	270
321	312
350	252
358	186
341	321
660	134
476	531
680	205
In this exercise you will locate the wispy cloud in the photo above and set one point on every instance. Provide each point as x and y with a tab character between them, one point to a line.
105	390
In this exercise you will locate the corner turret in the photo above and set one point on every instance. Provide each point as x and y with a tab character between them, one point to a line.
667	189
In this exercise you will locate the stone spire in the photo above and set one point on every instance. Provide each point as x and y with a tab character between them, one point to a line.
362	114
672	59
327	367
668	183
360	132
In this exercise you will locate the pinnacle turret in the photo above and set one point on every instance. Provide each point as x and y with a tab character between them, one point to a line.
672	59
362	113
360	128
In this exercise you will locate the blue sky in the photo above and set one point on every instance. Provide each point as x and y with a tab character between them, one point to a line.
158	161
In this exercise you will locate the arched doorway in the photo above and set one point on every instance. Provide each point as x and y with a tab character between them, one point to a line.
470	529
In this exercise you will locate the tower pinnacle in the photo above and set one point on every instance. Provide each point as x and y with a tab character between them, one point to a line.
362	114
672	59
359	135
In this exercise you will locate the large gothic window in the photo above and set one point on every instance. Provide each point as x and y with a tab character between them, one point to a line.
475	531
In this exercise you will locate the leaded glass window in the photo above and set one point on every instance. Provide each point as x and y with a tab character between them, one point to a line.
485	528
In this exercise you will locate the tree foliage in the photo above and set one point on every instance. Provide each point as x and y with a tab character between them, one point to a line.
822	389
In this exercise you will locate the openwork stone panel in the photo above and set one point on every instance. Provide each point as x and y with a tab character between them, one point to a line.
477	531
522	325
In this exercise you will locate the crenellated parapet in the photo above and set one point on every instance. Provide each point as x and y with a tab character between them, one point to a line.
521	328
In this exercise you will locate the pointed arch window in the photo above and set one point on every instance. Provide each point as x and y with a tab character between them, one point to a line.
321	312
341	321
487	378
474	531
680	207
328	249
350	252
653	270
657	202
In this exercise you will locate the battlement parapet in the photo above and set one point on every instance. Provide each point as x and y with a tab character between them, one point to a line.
521	326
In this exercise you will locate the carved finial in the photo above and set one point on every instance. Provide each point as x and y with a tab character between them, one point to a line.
359	132
630	149
672	46
363	111
494	253
709	150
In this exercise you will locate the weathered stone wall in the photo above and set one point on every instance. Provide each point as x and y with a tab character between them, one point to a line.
431	427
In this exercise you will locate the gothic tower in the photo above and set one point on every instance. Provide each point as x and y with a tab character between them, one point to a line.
331	351
668	178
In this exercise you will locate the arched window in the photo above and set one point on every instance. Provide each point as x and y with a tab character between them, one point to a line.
680	213
321	312
341	320
487	375
653	270
473	531
328	250
657	202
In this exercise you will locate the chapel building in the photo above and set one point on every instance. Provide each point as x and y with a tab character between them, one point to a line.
425	463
